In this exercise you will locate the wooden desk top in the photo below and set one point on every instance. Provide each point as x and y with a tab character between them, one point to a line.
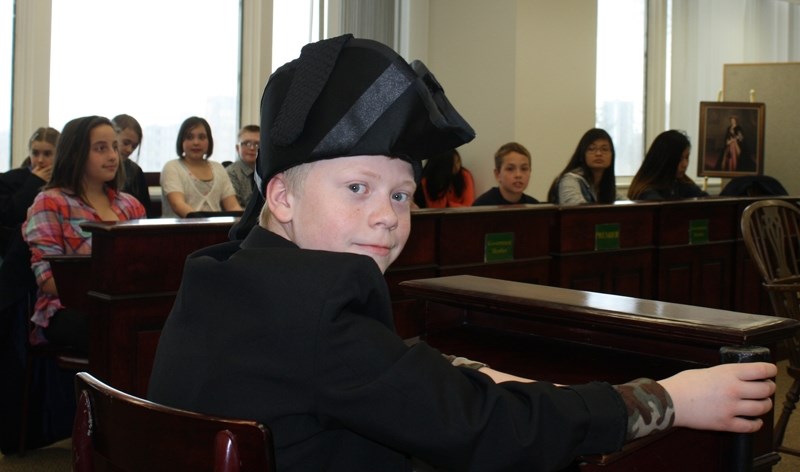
582	316
158	224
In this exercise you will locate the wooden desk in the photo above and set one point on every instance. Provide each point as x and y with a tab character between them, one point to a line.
569	336
581	262
417	260
696	241
136	269
456	241
465	242
72	274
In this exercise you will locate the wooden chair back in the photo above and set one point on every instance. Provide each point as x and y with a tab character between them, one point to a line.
117	431
771	231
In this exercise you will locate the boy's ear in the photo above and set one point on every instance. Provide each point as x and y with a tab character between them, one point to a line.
497	174
279	199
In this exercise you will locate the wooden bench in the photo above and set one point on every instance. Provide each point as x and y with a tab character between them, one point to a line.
569	336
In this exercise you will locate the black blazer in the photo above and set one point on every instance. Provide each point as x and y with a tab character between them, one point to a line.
303	342
18	188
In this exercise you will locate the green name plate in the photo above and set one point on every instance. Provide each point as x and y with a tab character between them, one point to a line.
498	247
606	236
698	231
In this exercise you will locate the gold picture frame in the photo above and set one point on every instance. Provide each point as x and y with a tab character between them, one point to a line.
731	139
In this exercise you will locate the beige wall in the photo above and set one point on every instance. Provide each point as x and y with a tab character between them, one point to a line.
776	85
518	70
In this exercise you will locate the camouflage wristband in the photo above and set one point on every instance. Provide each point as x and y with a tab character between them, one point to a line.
649	407
463	362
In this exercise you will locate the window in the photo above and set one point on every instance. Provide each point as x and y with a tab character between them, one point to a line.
114	56
6	76
621	39
295	23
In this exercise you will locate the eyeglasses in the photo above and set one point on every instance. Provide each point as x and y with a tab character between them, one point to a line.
594	149
251	144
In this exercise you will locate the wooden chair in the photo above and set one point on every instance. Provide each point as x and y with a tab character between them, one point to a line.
117	431
771	230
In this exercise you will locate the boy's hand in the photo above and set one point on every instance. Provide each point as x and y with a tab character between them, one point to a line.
726	397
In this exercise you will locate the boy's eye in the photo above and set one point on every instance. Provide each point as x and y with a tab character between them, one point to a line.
357	188
400	197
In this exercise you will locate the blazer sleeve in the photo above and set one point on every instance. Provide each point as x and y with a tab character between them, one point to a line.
411	398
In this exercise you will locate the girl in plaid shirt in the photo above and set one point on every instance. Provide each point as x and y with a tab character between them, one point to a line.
84	187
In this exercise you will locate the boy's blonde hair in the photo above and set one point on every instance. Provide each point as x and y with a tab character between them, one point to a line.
295	181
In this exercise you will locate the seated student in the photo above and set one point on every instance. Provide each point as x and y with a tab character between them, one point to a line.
129	138
445	183
192	182
293	325
84	187
589	174
241	171
512	169
662	175
18	187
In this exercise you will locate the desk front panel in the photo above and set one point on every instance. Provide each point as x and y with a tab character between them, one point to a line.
462	233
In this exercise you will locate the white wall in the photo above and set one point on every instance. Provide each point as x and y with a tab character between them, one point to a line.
517	70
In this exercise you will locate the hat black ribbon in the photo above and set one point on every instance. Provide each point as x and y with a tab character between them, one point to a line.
311	74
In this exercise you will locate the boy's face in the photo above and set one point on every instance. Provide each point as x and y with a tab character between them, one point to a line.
247	147
514	174
359	204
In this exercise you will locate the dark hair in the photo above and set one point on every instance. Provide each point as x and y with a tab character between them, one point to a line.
660	163
72	152
439	177
508	148
186	126
607	193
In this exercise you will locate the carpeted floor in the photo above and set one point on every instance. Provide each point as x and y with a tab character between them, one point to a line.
57	457
54	458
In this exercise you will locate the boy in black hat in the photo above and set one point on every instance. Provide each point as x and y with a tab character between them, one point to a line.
292	326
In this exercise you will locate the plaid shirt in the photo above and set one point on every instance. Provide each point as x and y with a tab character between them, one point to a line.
53	227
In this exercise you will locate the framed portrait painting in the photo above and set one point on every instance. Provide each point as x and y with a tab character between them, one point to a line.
731	139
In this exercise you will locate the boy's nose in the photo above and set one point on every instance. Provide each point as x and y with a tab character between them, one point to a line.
386	215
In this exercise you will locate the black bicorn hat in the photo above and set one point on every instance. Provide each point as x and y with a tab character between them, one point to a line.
346	96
